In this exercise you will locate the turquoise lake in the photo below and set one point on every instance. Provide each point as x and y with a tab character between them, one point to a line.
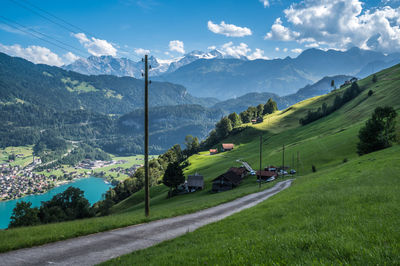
93	187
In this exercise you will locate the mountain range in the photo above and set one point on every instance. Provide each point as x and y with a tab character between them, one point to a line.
216	74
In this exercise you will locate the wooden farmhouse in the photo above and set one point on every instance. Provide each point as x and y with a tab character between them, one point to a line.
195	182
213	151
264	175
227	146
229	180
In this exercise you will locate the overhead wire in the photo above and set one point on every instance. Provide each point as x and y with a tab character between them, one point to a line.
26	30
66	26
77	50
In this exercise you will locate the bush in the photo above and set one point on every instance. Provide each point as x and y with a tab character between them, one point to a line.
314	169
370	92
345	160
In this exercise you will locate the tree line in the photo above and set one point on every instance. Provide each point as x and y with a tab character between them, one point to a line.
350	93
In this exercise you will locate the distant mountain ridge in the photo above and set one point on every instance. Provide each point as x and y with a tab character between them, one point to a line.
230	78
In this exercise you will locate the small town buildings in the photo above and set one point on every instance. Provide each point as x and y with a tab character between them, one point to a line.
213	151
229	180
227	146
195	182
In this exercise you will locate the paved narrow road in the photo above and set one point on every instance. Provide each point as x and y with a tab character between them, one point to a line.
96	248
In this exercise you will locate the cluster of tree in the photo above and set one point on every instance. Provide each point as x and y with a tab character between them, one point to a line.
378	132
233	121
192	145
350	93
135	183
66	206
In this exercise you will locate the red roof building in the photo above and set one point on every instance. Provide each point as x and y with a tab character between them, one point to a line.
213	151
266	174
227	146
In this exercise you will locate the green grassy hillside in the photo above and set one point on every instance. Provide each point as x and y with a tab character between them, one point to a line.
345	215
324	143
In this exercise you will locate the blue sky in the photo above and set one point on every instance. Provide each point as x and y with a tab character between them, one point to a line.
168	29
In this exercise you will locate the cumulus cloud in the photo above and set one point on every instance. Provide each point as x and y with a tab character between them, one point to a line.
94	46
297	51
176	46
228	30
238	51
241	51
257	54
340	24
285	50
70	58
33	53
265	3
141	51
212	47
280	32
277	49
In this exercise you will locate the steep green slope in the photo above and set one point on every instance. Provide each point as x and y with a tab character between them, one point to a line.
324	143
345	215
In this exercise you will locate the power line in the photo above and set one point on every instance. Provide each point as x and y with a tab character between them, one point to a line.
58	18
34	35
46	18
70	25
44	35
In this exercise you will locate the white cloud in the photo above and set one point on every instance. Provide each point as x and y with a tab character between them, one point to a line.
265	3
177	46
280	32
141	51
228	30
212	47
70	58
33	53
340	24
96	47
277	49
241	51
285	50
257	54
238	51
297	51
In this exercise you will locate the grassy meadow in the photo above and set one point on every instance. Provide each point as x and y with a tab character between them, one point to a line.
348	214
325	143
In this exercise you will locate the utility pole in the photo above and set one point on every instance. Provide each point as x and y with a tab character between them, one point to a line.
298	163
292	167
259	176
283	158
146	137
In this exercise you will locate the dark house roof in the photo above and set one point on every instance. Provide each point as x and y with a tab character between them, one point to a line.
195	181
266	174
231	177
237	170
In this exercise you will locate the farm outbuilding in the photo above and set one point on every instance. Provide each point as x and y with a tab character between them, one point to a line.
195	182
227	146
229	180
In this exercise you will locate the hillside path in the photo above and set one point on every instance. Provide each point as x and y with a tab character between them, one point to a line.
99	247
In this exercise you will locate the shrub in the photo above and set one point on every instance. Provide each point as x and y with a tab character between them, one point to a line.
314	169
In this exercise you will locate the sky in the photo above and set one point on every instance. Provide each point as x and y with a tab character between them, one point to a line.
57	32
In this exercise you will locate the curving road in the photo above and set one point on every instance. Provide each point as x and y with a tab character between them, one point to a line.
96	248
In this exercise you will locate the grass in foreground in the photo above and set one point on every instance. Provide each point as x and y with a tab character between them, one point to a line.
160	208
346	215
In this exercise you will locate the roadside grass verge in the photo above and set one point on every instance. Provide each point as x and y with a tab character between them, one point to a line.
349	214
160	208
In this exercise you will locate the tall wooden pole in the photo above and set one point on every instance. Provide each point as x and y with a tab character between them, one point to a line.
298	163
146	137
283	158
259	177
